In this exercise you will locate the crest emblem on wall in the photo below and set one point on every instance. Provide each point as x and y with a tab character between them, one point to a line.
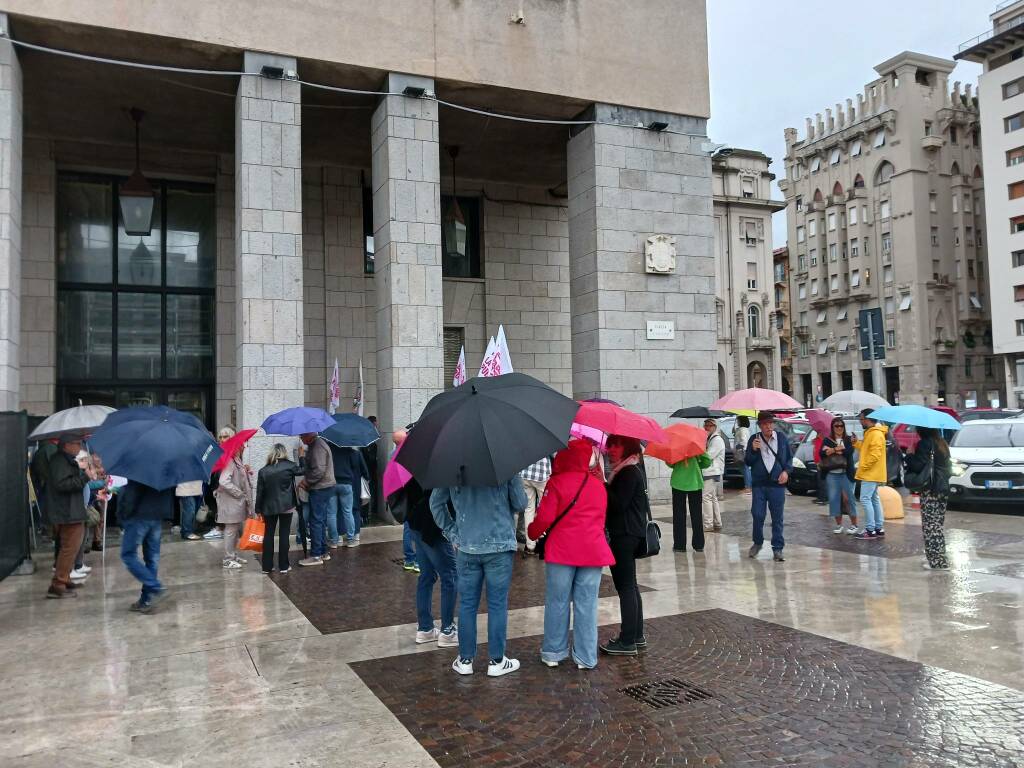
660	252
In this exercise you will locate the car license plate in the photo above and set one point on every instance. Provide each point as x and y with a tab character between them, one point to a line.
998	484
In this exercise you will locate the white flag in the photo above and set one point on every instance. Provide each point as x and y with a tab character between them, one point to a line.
460	369
504	358
487	366
357	403
334	391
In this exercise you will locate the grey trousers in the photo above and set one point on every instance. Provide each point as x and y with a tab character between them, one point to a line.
232	533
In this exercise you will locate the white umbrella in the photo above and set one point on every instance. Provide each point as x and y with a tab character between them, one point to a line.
852	401
80	420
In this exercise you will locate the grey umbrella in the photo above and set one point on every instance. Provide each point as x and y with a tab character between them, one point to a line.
80	420
852	401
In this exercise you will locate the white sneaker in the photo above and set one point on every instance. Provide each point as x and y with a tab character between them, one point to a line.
838	529
308	561
545	662
852	530
352	543
426	637
503	667
463	667
85	568
326	556
232	564
216	533
79	575
449	639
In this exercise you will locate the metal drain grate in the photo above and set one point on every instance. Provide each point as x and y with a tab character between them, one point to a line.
670	692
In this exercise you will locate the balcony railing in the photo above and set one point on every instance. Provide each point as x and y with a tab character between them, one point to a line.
998	29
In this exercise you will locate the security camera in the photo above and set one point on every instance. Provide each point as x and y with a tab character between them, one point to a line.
716	150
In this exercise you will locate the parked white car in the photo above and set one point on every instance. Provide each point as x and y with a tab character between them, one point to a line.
988	462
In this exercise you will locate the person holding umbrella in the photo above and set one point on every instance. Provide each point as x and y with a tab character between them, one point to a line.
319	484
234	505
770	459
740	440
627	523
686	454
872	473
933	450
141	511
66	480
713	472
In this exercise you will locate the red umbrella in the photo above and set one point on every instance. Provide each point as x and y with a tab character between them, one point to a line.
684	442
232	446
820	419
616	420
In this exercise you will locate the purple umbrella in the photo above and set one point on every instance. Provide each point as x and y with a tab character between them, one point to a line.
820	420
395	475
297	421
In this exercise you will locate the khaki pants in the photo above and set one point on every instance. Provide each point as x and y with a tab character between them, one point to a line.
70	540
534	493
710	506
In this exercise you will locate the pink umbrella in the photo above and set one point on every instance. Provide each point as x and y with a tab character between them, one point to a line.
596	436
820	419
616	420
395	475
755	399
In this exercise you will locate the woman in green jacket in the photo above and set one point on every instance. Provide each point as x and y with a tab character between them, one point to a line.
687	488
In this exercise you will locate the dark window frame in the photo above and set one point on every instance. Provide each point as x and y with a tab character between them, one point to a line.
472	211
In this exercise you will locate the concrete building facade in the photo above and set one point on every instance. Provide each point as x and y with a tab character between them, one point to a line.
885	217
344	188
745	299
783	321
1001	104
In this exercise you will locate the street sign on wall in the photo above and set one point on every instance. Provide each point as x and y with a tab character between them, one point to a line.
872	334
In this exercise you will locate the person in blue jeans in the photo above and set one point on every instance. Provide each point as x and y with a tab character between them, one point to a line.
770	460
872	473
484	533
189	495
436	560
319	483
141	511
349	471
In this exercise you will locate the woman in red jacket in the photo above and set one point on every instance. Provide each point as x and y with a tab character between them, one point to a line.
572	513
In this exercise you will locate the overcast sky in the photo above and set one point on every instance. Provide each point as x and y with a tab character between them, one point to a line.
776	62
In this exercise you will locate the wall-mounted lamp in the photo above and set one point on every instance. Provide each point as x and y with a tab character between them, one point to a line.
454	223
136	196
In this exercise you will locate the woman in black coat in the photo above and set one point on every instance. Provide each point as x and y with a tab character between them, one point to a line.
932	449
275	502
627	525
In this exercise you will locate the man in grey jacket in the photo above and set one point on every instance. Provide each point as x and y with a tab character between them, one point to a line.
319	482
483	531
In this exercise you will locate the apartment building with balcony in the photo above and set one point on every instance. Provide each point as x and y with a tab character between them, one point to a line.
783	319
1001	104
885	218
746	304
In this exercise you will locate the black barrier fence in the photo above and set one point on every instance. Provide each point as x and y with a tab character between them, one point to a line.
14	513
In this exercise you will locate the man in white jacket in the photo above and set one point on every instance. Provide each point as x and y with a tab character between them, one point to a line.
710	507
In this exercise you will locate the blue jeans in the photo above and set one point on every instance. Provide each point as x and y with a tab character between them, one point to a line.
746	476
189	504
569	584
766	498
341	511
357	508
494	569
839	484
407	544
874	520
319	519
435	561
147	534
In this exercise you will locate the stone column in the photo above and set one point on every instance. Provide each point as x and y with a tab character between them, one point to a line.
10	220
268	243
407	243
626	184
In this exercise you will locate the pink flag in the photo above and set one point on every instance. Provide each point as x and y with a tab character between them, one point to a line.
334	391
460	369
487	366
503	355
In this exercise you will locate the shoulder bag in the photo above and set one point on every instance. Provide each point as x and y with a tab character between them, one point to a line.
650	544
834	461
921	480
543	538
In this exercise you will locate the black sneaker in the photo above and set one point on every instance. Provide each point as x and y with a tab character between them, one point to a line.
880	533
753	551
618	648
641	642
140	607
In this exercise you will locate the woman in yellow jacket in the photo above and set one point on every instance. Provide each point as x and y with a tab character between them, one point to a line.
871	473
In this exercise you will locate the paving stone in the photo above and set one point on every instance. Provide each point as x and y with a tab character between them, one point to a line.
778	696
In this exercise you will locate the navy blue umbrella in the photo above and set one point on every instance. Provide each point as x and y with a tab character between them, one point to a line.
156	446
297	421
350	430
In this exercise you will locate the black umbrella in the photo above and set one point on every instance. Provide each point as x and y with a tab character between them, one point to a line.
485	431
698	412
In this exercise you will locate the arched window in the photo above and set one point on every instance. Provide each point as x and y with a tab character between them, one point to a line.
884	173
858	183
818	197
837	190
754	321
977	171
955	170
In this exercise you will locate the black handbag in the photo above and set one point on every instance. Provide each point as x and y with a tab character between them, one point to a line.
833	461
541	542
921	480
650	544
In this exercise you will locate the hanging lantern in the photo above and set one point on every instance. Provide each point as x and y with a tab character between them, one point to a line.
454	223
136	195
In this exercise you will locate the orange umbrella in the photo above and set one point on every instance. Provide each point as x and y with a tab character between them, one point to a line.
684	442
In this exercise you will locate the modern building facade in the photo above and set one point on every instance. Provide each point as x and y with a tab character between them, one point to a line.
783	322
745	301
344	186
885	217
1001	102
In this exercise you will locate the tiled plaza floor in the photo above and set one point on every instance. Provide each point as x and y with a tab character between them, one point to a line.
723	689
847	654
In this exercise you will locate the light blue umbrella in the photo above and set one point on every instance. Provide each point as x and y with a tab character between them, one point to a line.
916	415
